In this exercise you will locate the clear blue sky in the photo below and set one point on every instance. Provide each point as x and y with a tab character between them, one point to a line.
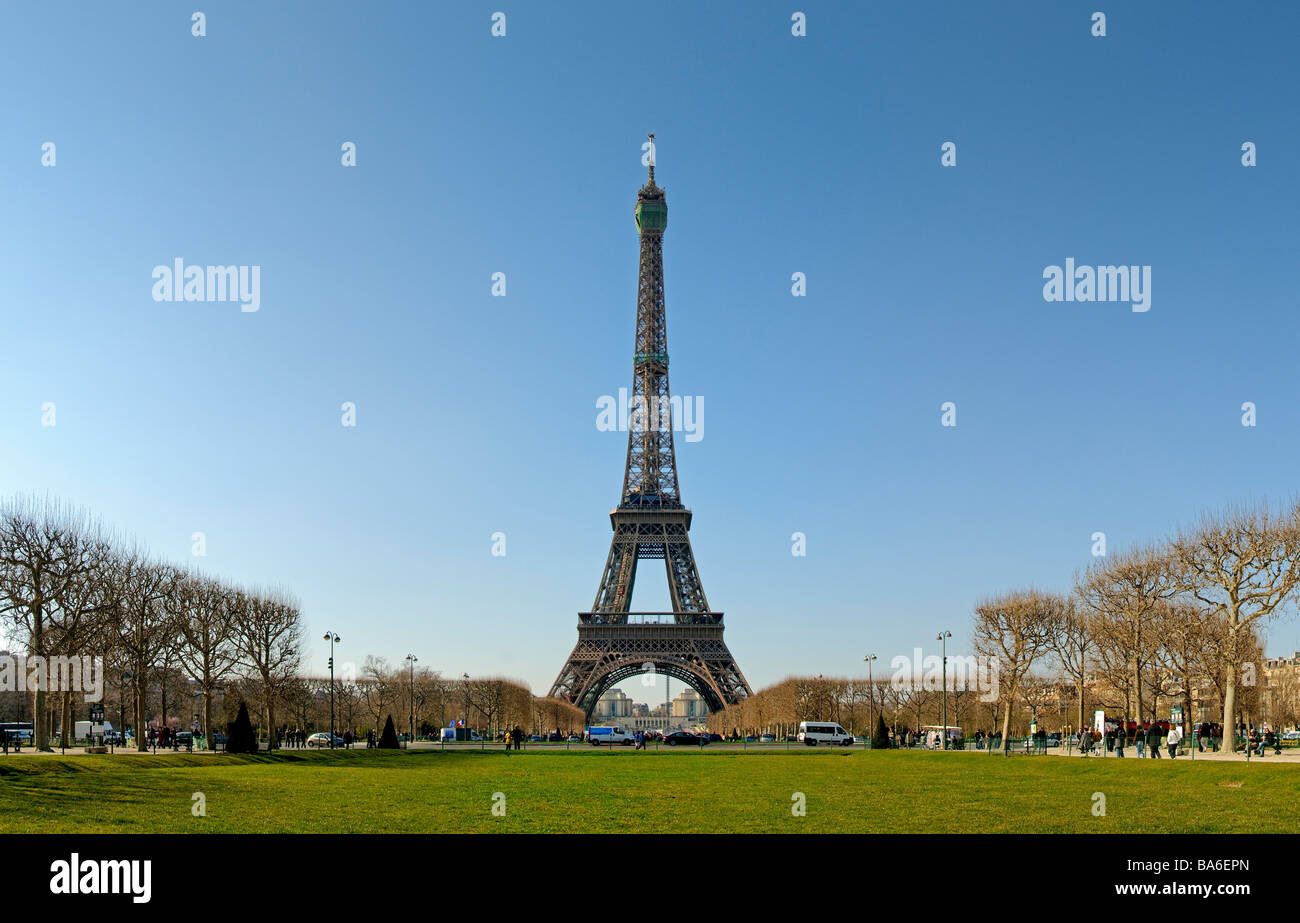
521	154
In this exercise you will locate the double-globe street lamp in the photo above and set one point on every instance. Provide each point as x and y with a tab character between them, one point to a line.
871	700
412	659
333	639
943	637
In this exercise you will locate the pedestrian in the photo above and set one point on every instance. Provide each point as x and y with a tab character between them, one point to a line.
1153	741
1171	741
1140	742
519	736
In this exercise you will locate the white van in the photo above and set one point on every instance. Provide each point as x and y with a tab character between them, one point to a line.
609	735
813	733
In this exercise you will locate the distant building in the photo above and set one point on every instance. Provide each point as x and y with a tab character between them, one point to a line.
1282	690
689	705
613	704
687	710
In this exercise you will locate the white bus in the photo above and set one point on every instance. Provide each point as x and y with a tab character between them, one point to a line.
813	733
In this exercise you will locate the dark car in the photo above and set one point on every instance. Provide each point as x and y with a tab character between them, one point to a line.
554	737
185	740
684	737
714	738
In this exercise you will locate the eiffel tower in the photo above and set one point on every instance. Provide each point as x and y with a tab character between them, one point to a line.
650	523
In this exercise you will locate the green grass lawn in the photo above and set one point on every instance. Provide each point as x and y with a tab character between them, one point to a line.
624	791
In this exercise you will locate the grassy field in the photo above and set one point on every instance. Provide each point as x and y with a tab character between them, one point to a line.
624	791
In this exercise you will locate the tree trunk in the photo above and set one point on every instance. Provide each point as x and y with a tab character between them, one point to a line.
65	719
207	717
40	719
1137	689
1230	707
141	732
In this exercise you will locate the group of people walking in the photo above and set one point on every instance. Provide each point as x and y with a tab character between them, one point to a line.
293	738
1146	740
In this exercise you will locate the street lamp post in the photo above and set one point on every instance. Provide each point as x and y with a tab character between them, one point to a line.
943	638
332	638
465	691
412	659
871	700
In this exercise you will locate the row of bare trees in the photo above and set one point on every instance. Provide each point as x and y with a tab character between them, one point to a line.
428	700
852	703
69	588
1176	620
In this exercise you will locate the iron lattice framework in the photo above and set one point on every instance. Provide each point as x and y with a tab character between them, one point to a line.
650	522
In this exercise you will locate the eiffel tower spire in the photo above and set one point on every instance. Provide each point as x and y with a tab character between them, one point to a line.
650	523
650	477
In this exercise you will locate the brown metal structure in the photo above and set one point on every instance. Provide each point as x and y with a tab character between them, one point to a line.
650	522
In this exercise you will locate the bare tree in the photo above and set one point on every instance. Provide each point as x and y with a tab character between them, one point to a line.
1038	693
1188	640
378	687
1120	596
488	697
1073	645
140	622
1015	629
347	701
268	636
48	554
1244	564
207	629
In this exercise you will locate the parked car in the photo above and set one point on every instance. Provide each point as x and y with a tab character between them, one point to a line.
537	739
185	740
768	739
575	738
684	737
322	739
714	738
